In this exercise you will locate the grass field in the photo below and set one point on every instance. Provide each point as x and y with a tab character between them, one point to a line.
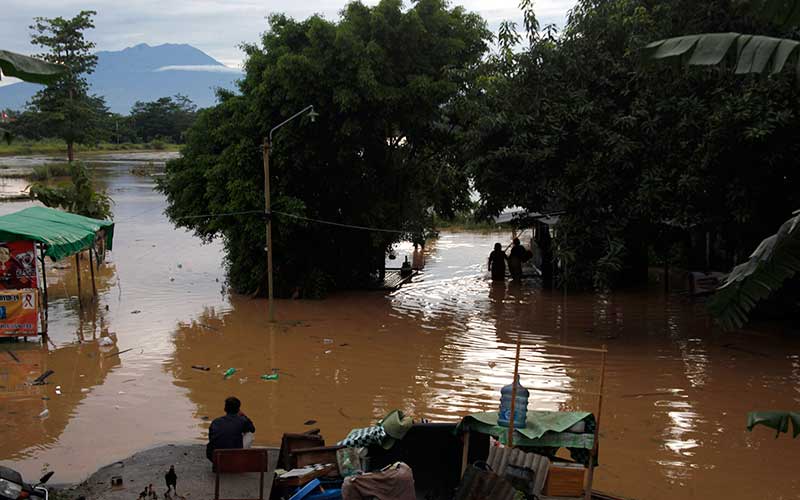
59	148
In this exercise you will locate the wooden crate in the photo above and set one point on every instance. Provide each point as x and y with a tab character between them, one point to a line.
565	480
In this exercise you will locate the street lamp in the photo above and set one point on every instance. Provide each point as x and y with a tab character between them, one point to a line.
267	145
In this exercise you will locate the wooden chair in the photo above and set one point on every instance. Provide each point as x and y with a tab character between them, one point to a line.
237	461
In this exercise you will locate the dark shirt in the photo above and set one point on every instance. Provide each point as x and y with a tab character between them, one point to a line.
226	432
518	252
497	264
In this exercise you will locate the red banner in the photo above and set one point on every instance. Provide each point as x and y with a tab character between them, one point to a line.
17	265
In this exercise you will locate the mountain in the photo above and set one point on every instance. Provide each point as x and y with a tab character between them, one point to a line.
144	73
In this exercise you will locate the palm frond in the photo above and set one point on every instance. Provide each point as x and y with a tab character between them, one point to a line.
29	69
746	53
775	260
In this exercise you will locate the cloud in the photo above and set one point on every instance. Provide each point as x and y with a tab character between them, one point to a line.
212	68
216	27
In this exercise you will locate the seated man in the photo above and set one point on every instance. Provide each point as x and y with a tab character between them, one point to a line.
228	431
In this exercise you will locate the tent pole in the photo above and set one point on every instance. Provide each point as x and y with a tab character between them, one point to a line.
44	286
78	274
593	456
91	268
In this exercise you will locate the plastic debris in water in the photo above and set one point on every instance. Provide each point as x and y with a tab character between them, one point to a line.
327	341
84	390
242	380
229	372
58	392
271	376
45	413
105	342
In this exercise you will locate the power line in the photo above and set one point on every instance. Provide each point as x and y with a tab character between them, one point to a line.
339	224
283	214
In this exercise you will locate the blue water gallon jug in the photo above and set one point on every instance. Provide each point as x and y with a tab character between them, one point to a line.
520	407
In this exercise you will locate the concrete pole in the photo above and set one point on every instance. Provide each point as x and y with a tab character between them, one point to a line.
268	214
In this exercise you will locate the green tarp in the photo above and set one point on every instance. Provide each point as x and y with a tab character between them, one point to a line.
543	428
62	233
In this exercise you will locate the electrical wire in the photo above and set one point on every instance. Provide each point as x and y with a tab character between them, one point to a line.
339	224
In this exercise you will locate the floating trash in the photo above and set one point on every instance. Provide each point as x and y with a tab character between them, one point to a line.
271	376
229	372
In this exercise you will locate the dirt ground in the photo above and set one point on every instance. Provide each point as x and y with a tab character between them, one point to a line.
195	479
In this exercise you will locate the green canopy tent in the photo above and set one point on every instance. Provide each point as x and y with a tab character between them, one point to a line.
58	235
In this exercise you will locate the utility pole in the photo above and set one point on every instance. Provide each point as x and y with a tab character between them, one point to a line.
268	215
267	209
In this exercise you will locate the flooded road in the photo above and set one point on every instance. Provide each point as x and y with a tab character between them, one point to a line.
678	390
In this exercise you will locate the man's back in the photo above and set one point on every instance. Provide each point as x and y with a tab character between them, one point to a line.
226	432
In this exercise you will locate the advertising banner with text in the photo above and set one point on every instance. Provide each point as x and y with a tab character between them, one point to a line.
18	312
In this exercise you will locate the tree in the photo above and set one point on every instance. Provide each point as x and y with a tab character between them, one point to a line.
380	155
165	118
77	197
644	162
68	108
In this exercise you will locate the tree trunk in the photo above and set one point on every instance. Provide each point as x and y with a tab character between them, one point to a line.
70	152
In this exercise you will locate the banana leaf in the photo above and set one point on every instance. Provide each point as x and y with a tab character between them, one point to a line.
778	420
775	260
29	69
746	53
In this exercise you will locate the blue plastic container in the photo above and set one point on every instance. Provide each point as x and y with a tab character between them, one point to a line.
520	408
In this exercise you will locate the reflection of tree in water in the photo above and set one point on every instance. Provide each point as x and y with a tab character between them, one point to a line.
341	368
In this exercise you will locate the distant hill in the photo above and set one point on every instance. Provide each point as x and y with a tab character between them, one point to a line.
144	73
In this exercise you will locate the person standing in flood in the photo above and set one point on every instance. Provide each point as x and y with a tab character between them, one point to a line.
497	263
515	259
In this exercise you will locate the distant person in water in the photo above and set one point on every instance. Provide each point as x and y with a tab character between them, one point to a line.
229	431
516	258
497	263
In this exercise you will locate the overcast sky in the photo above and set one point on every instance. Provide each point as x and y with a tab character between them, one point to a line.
213	26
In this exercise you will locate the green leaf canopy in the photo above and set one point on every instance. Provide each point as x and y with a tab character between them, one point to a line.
775	260
747	53
29	69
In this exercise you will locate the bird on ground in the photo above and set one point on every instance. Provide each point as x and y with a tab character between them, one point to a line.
172	479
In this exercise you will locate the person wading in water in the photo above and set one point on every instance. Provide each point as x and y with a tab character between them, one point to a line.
497	263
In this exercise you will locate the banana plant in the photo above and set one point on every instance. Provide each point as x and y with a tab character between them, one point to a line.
746	53
775	260
29	69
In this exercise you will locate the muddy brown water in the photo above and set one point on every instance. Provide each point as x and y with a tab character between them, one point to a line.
673	422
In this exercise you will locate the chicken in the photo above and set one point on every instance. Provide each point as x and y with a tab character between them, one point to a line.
172	479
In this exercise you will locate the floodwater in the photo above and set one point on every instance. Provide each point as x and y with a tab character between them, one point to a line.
677	389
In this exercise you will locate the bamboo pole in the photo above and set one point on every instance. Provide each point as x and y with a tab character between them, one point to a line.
78	274
514	396
91	268
592	458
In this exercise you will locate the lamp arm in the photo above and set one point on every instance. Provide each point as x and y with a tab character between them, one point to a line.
284	122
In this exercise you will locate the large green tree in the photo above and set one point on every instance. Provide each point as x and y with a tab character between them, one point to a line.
380	154
67	107
644	161
166	118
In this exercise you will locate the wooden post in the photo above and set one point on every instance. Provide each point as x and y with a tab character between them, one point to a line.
590	475
465	454
78	274
514	396
268	214
91	268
